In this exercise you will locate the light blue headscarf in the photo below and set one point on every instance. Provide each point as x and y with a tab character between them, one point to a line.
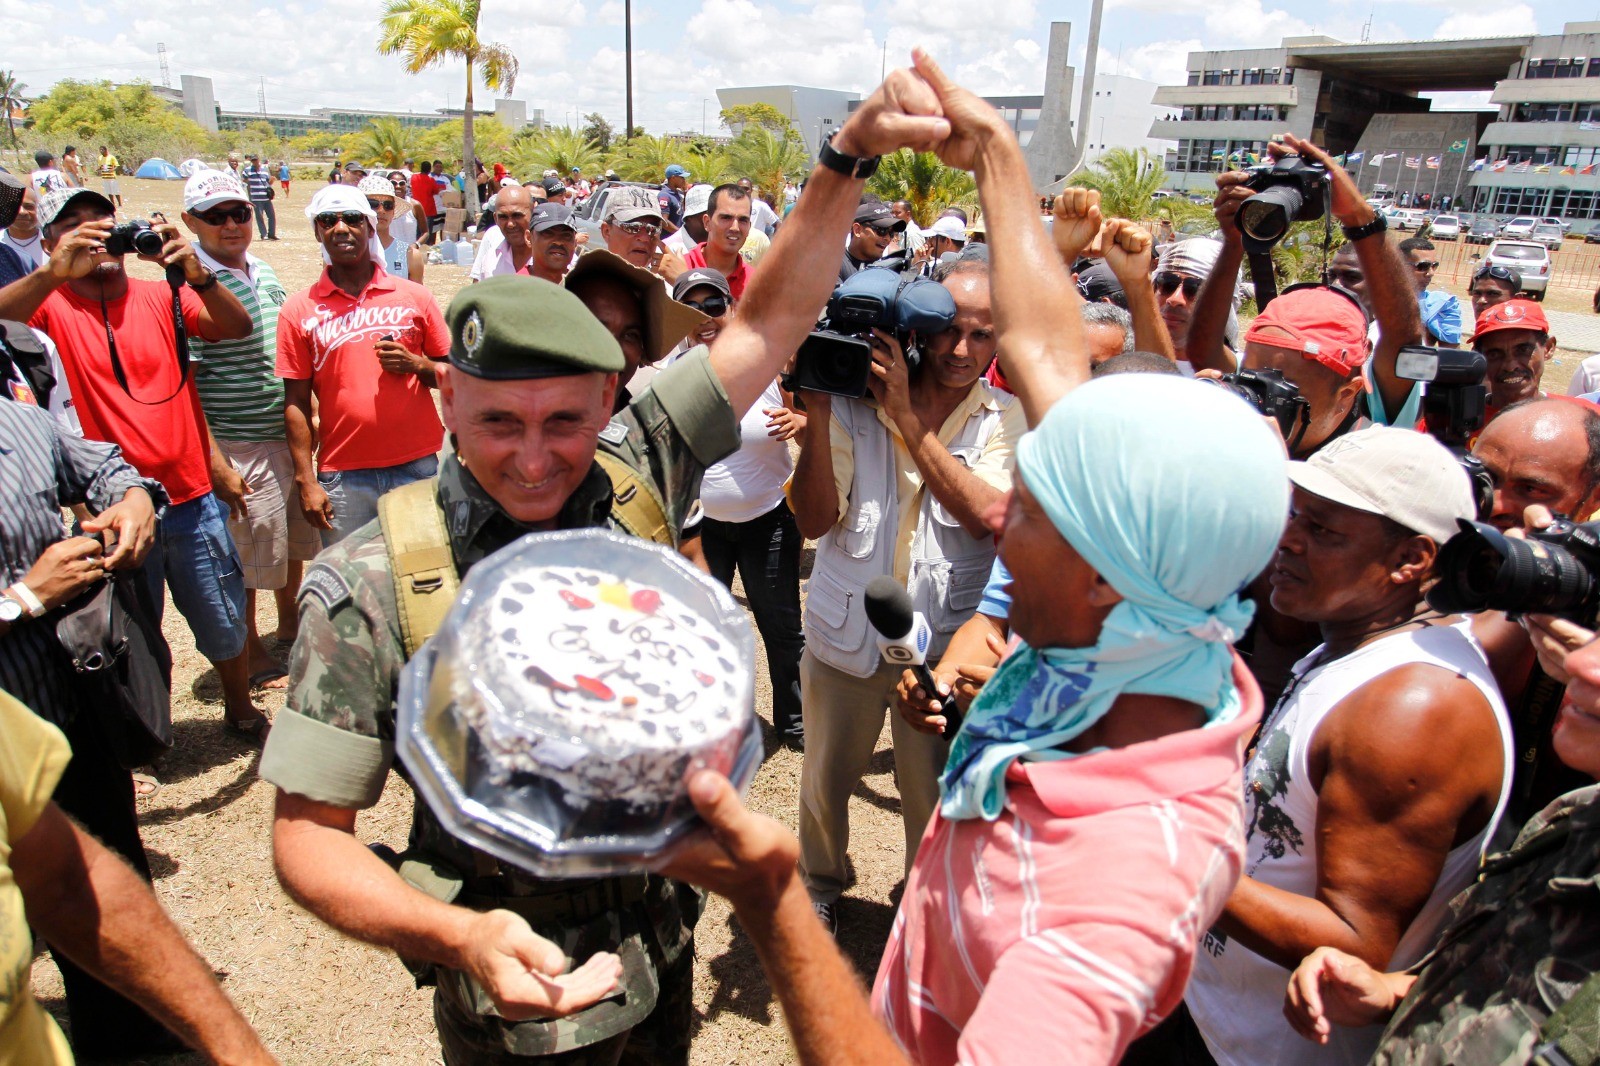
1176	492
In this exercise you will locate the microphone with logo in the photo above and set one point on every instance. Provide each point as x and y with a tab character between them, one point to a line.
903	639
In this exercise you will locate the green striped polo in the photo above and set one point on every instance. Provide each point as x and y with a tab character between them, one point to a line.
240	391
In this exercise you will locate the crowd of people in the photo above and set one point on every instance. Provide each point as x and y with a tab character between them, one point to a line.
1201	770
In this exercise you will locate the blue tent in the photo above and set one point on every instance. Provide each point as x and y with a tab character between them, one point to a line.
159	168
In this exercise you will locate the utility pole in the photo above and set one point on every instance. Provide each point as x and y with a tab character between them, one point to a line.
627	41
261	98
166	73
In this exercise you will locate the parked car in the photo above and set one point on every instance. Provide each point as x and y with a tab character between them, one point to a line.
1548	235
1529	259
1407	218
1519	228
1484	229
1554	221
1446	228
1592	237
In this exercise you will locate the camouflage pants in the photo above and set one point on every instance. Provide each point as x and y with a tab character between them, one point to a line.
662	1039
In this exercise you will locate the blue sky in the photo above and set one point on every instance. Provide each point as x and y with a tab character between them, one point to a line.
320	52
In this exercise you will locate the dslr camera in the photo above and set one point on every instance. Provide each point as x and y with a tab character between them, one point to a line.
135	237
1453	406
1274	396
1289	190
837	357
1556	571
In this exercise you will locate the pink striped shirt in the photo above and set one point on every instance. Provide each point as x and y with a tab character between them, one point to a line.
1067	927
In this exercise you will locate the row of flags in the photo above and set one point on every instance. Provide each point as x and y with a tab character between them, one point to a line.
1432	162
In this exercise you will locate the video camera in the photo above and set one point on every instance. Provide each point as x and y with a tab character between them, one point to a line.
1453	406
1274	396
837	357
135	237
1289	190
1556	571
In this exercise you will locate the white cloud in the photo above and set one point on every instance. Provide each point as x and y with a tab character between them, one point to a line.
1496	21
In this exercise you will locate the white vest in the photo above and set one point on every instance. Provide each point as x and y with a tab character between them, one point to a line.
949	566
1235	995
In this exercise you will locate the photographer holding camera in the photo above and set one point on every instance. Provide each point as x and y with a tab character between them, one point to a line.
895	485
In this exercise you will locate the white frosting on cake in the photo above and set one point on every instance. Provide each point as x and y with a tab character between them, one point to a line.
611	690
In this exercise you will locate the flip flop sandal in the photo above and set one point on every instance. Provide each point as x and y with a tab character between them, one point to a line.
261	678
145	786
255	730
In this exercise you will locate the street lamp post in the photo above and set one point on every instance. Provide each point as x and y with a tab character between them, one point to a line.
627	40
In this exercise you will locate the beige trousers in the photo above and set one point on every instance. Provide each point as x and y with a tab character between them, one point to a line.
844	716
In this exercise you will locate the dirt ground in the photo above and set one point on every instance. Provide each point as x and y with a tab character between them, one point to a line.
317	997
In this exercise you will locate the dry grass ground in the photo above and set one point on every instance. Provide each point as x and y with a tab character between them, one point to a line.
317	997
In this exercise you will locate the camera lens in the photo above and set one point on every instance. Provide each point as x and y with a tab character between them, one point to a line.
1481	569
1265	217
147	242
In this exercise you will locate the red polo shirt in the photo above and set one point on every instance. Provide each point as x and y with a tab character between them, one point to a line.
368	417
736	281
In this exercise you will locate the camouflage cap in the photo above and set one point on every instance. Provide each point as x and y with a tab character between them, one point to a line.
514	326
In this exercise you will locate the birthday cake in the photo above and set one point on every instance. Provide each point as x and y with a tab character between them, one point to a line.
608	688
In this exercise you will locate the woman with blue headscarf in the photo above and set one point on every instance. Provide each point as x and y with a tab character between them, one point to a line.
1090	827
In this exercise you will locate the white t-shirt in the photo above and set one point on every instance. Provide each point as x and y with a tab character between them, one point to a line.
762	217
395	257
404	225
32	251
749	483
1587	377
47	179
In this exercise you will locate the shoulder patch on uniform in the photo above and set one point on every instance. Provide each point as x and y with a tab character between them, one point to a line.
324	582
615	432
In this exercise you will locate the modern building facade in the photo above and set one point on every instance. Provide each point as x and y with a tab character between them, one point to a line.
1527	155
1123	114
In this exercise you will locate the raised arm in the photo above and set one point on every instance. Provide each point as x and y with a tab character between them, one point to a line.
1207	346
1128	247
75	254
796	275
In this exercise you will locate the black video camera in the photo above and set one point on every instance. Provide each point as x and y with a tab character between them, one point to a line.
1274	396
1556	571
135	237
1453	406
837	357
1289	190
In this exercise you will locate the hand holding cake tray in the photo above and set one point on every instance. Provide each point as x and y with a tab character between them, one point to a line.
579	681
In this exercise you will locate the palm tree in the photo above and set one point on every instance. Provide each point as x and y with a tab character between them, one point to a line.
711	165
428	33
1126	181
922	181
555	148
766	158
646	158
11	91
387	142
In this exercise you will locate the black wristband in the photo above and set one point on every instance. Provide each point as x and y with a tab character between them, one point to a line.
1379	224
850	166
211	280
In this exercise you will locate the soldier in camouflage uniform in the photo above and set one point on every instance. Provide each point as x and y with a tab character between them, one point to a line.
527	397
1519	945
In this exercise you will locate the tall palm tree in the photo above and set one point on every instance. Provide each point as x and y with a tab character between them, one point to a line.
646	158
11	91
427	33
387	142
711	165
923	182
1126	180
556	148
767	158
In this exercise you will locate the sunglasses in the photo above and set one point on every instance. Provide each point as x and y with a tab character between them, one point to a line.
1493	270
1426	264
330	219
711	306
883	231
639	229
1167	284
240	214
381	205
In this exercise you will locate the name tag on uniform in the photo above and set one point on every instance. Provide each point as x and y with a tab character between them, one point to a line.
614	433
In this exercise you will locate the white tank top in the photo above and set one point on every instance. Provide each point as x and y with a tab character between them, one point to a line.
394	257
1235	995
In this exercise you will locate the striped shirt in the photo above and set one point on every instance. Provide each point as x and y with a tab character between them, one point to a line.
42	470
1068	926
240	391
259	182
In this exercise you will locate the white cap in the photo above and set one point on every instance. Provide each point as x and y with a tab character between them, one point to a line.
206	189
698	200
375	185
948	226
508	181
1406	476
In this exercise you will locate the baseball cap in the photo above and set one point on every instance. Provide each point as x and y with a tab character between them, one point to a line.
666	322
206	189
631	203
947	227
549	216
698	200
1512	314
55	200
514	327
1325	326
508	181
676	171
879	216
355	167
690	280
553	186
1406	476
12	191
1097	281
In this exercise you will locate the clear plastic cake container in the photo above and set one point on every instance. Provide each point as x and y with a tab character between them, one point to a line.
530	820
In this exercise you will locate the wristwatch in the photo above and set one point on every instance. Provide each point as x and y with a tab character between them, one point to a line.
10	611
1379	224
210	280
851	166
22	594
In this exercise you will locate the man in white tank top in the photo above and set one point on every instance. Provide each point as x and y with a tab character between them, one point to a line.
1378	777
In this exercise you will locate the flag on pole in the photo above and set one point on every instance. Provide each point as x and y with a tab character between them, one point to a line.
1218	152
1586	170
1542	168
1458	146
1377	160
1433	162
1479	164
1253	158
1589	126
1413	162
1568	171
1355	157
1499	165
1522	167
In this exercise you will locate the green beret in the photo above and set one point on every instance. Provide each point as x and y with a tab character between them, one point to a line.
515	326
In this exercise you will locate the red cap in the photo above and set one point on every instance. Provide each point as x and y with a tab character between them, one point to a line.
1320	324
1512	314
